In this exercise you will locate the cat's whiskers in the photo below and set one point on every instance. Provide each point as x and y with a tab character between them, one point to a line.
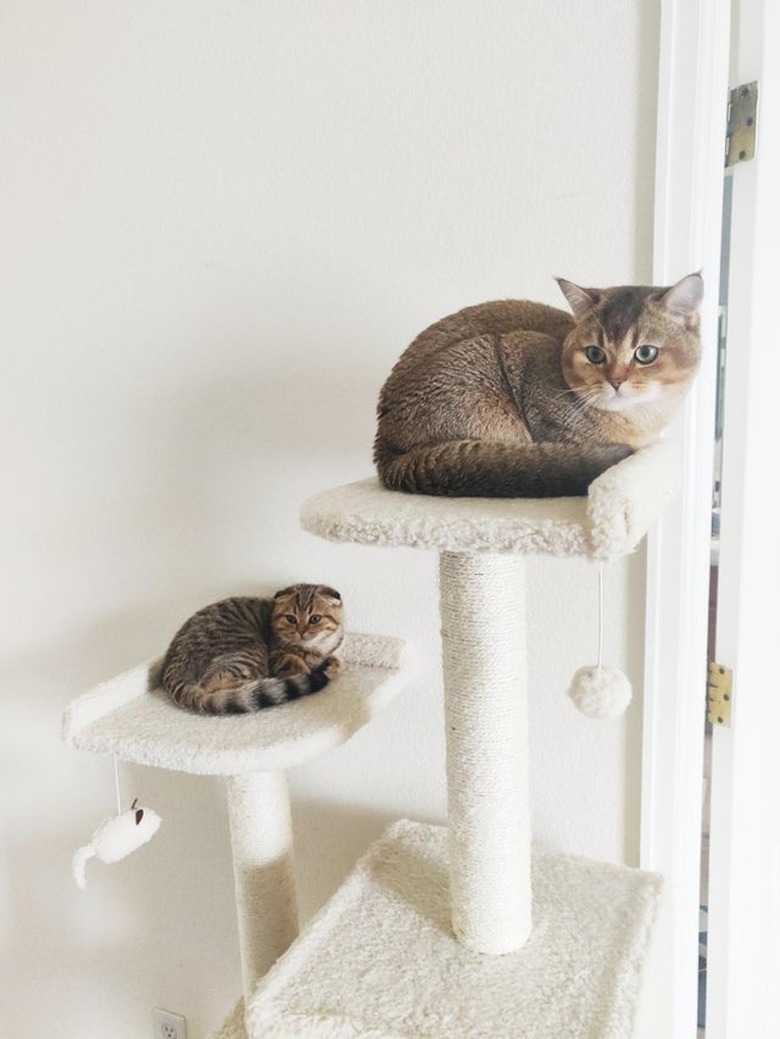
583	403
579	400
568	392
585	399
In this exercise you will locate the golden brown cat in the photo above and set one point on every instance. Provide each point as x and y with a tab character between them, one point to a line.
519	399
244	654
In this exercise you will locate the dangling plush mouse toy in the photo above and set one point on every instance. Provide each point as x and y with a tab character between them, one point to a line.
117	837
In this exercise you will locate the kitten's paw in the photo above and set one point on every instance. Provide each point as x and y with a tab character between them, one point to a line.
332	666
288	665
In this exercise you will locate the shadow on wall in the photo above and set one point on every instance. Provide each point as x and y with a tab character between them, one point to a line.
322	410
141	924
329	840
207	503
235	459
632	791
646	100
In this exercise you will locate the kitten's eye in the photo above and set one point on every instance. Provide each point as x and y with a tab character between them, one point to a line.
595	354
315	618
291	618
646	354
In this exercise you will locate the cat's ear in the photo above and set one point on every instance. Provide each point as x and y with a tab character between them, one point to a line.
580	300
683	300
329	593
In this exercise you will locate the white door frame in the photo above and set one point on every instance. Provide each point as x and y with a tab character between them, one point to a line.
744	917
693	86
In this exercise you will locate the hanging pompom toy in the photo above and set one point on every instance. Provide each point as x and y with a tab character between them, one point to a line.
116	837
598	691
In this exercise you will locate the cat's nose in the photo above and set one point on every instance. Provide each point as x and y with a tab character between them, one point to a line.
616	375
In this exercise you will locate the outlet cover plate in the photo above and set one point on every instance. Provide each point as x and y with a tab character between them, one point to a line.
167	1025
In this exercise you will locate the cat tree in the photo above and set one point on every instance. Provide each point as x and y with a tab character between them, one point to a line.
458	932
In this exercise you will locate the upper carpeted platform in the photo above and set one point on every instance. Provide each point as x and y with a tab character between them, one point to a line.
620	507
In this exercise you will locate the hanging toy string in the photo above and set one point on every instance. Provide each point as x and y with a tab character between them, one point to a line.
596	690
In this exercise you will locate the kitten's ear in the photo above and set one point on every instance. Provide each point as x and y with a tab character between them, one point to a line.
683	299
329	593
580	300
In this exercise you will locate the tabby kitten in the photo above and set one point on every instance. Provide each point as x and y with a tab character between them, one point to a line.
518	399
243	654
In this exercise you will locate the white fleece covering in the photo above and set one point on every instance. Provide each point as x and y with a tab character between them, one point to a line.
621	505
132	719
380	961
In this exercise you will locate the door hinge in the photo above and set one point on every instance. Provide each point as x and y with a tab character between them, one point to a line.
741	124
719	694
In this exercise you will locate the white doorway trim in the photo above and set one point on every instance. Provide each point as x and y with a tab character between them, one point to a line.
744	934
693	90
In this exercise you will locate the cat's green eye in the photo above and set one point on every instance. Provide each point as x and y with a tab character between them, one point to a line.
291	618
646	354
315	618
595	354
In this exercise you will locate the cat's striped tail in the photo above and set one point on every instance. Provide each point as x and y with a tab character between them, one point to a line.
494	469
254	695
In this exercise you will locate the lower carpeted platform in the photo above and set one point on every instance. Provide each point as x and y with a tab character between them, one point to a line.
380	961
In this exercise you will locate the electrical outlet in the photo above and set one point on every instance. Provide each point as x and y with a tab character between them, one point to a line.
167	1025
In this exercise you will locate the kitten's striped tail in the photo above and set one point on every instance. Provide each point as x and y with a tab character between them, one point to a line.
252	696
494	469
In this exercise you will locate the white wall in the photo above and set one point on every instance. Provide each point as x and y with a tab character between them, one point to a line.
221	225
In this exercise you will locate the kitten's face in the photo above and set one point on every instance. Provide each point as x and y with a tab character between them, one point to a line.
633	346
307	615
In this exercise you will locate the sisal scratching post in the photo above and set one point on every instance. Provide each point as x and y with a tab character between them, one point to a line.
485	692
263	867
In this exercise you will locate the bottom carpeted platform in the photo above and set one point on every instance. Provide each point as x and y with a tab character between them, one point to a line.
380	959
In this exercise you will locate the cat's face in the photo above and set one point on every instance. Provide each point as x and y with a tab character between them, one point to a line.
307	614
633	346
